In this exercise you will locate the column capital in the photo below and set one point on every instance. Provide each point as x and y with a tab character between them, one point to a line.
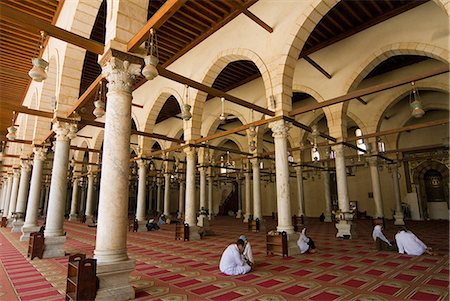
338	150
190	153
120	74
298	169
280	128
141	163
16	172
64	131
255	162
25	164
373	161
40	154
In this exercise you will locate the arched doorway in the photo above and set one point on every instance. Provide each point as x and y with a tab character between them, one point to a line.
431	180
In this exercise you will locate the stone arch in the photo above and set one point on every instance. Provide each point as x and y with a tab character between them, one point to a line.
212	72
304	25
178	135
79	154
402	91
211	124
387	51
444	5
224	140
50	85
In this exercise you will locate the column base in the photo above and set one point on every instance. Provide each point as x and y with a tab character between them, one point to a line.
328	218
26	230
17	225
345	230
398	220
89	220
142	226
10	222
292	244
193	233
114	280
54	246
73	217
239	214
288	229
246	217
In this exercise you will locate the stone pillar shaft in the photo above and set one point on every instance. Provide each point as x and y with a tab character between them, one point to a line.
257	212
341	178
114	183
14	192
182	191
398	205
141	197
376	187
326	182
31	217
210	196
280	131
23	187
90	199
190	216
202	171
74	203
248	197
8	195
158	195
300	196
167	194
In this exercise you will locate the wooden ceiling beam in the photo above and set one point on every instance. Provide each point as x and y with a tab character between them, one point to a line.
371	90
86	96
169	8
210	90
317	66
25	110
35	24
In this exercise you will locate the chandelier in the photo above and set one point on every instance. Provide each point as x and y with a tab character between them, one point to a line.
151	59
415	103
37	73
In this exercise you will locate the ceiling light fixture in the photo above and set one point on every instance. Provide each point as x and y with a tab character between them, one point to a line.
151	59
186	107
99	104
415	103
223	116
12	129
37	73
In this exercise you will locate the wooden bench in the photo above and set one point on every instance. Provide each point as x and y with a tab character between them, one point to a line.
277	244
36	245
253	225
182	231
82	282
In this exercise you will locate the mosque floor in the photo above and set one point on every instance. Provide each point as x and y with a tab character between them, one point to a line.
167	269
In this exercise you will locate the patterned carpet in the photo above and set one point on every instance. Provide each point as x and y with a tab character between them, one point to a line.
174	270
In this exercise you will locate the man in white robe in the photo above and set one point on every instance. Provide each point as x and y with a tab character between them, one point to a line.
410	244
248	253
231	262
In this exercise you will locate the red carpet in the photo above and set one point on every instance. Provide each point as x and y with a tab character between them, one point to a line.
174	270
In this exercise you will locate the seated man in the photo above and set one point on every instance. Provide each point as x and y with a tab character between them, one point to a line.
151	225
305	243
410	244
231	262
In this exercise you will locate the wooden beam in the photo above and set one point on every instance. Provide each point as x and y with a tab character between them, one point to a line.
307	128
133	132
257	20
210	90
86	95
36	24
225	149
317	66
370	90
403	129
25	110
12	72
91	150
169	8
361	100
237	129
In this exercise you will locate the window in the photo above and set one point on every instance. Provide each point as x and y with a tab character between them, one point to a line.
360	142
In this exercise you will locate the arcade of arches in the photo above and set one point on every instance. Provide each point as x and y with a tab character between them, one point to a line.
260	108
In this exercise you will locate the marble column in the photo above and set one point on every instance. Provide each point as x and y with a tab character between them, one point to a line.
46	195
54	232
239	192
280	131
13	198
376	187
140	208
82	205
248	196
23	194
202	171
74	204
31	217
9	185
257	212
113	264
181	193
327	191
210	194
90	199
344	225
2	194
300	194
398	216
167	194
190	216
158	194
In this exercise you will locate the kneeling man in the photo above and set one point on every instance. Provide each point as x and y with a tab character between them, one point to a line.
232	262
